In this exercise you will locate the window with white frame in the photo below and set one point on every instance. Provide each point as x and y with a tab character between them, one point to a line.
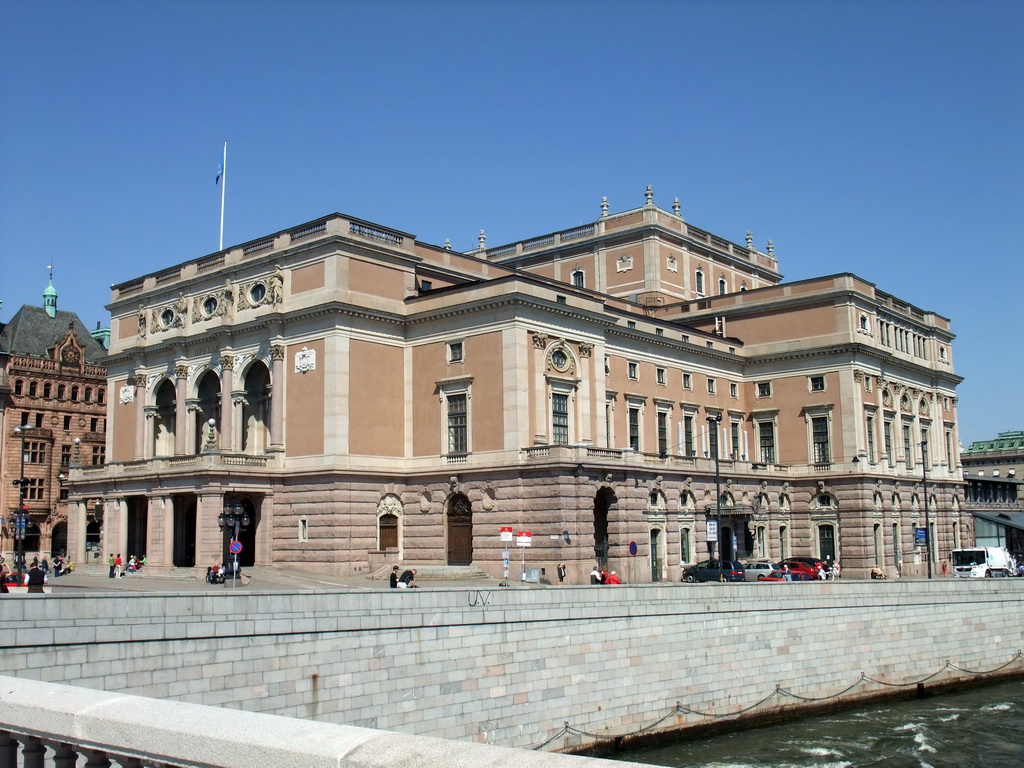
734	389
634	427
723	287
458	424
734	433
766	441
764	389
712	385
687	381
660	375
816	383
633	370
578	278
455	352
688	448
685	546
698	282
663	426
560	418
869	424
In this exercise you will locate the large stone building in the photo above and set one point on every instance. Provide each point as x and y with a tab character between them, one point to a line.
370	399
994	486
53	415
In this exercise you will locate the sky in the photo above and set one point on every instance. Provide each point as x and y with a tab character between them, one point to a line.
879	137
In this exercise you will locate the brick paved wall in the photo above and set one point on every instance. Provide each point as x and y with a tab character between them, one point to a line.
510	667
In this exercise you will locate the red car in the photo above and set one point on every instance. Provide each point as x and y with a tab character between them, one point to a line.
793	576
799	566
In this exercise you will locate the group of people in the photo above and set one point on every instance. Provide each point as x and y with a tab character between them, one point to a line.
117	568
407	580
604	576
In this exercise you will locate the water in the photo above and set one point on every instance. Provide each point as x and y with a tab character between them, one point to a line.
982	727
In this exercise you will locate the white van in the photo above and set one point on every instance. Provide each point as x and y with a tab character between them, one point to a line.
982	562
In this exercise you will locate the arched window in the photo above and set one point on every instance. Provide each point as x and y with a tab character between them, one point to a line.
47	390
74	394
101	395
698	282
33	389
19	386
723	287
578	278
88	394
61	391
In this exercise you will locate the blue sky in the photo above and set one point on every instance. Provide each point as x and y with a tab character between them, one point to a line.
876	137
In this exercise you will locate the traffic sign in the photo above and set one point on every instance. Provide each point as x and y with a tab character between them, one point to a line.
236	547
632	547
506	534
524	539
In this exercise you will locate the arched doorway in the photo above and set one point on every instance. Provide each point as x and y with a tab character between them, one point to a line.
165	420
256	409
208	408
59	539
602	502
460	530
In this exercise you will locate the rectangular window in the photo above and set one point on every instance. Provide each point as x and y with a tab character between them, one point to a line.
662	433
819	439
34	490
633	371
687	381
303	529
35	453
457	434
661	376
684	545
631	325
634	428
734	390
67	422
870	423
766	441
924	447
735	440
764	389
63	495
560	419
577	278
65	455
713	439
99	455
817	383
711	386
908	450
455	352
688	435
949	448
425	285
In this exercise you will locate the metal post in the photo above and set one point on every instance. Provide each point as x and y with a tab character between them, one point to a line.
927	516
713	423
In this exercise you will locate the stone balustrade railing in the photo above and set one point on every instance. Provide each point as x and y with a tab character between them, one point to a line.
58	724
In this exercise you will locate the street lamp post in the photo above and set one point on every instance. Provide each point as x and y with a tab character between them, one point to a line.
713	423
234	519
927	516
20	521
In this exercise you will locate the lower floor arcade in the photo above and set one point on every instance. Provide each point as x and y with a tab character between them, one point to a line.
647	525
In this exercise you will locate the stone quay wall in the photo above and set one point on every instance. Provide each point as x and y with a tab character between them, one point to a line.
513	667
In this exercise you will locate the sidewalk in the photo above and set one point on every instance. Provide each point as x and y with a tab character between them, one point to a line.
256	579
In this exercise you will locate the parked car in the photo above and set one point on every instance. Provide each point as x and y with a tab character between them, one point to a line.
799	566
757	569
710	570
793	576
810	562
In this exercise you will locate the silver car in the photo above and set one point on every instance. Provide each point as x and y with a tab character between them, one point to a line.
758	569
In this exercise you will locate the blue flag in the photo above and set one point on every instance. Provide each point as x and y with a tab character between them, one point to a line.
220	172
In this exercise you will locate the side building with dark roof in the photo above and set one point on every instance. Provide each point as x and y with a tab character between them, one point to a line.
53	395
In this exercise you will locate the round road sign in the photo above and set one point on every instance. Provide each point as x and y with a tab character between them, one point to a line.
236	547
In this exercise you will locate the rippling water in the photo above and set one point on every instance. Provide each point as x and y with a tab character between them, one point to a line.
982	727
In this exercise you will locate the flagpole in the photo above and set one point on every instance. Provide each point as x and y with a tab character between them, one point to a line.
223	185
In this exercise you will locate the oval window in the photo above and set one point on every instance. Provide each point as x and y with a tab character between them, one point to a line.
257	293
559	359
167	317
210	305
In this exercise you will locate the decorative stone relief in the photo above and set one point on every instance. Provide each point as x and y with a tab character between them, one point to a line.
540	340
672	263
390	504
142	321
305	360
586	349
624	263
227	362
127	394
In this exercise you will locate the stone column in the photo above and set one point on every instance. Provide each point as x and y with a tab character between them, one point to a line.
227	404
585	428
277	399
180	419
121	531
77	525
540	394
140	381
208	537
